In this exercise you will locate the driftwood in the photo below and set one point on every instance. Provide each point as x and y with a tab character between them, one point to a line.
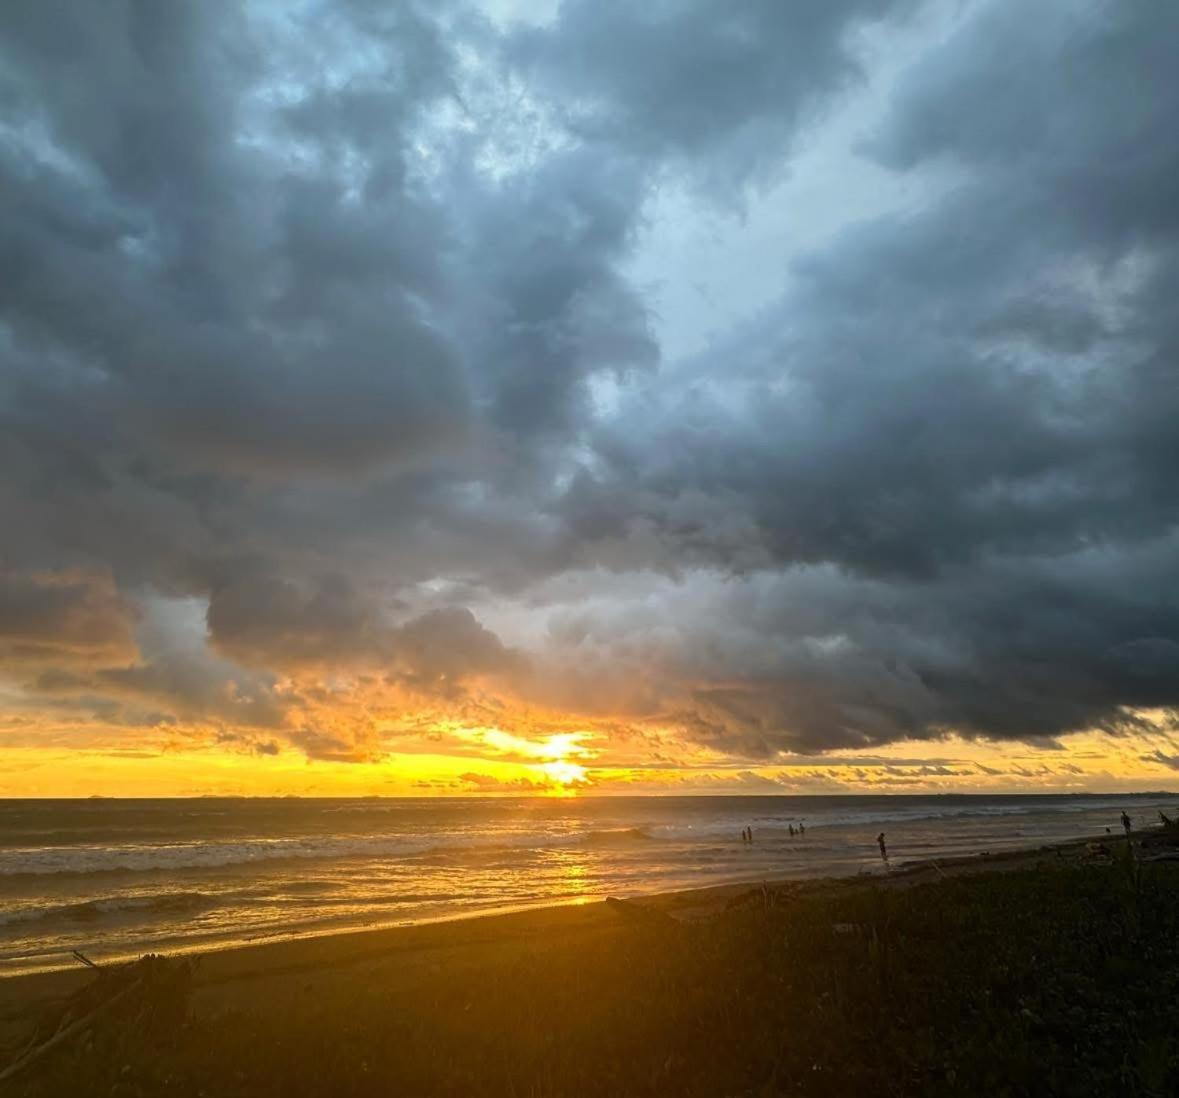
1165	836
32	1055
639	913
160	986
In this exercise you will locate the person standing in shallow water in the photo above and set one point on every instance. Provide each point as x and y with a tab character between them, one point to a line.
1126	822
883	848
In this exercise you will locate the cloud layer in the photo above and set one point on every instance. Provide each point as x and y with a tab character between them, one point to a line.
332	409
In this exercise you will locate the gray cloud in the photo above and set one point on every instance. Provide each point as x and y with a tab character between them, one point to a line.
485	783
264	623
718	88
63	617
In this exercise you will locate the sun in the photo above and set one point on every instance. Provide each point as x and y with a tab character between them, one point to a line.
551	757
564	772
558	767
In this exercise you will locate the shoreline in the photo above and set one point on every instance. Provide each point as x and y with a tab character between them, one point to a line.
463	938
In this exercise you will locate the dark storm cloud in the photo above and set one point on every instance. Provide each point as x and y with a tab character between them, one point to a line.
270	622
197	289
234	280
63	618
545	248
191	691
303	309
155	680
450	645
263	622
718	87
971	407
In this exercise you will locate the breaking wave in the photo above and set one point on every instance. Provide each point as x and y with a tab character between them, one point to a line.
172	903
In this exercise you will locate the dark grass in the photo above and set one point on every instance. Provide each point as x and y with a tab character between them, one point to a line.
1061	980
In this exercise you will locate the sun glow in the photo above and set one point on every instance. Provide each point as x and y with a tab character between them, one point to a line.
554	747
565	772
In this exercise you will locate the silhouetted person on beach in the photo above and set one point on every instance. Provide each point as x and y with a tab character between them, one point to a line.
802	829
1126	822
883	848
792	831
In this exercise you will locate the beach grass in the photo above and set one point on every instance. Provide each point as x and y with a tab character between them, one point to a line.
1058	978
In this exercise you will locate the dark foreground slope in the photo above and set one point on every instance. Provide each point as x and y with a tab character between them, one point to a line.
1060	978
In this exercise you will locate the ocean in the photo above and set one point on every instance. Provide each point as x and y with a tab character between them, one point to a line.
116	878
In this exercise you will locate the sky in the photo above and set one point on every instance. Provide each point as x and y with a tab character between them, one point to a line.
589	397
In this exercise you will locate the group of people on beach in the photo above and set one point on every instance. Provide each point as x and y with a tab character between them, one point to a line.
747	832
